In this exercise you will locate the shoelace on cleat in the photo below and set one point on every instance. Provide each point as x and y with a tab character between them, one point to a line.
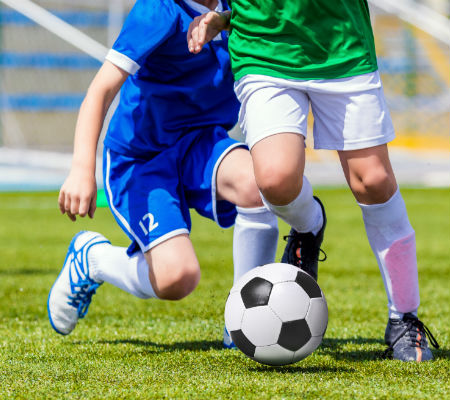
84	287
413	327
299	261
83	292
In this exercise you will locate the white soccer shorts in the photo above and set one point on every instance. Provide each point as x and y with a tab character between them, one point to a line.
349	113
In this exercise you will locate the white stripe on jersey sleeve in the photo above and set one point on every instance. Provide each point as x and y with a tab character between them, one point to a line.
122	61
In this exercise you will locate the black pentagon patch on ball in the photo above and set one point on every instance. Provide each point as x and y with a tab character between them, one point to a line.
308	284
241	341
294	334
256	292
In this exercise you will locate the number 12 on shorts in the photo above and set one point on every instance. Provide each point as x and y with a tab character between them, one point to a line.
151	223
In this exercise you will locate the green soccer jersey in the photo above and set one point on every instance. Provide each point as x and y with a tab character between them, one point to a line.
301	39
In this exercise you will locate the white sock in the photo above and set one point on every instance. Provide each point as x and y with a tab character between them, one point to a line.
255	239
304	214
392	239
112	264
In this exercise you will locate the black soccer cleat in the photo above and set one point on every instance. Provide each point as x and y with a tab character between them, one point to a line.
407	339
303	249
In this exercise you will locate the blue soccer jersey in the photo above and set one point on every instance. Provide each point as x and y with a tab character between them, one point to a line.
170	91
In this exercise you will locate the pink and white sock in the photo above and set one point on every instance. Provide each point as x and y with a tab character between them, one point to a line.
392	239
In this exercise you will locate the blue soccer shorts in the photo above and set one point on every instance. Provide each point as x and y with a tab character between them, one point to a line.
151	198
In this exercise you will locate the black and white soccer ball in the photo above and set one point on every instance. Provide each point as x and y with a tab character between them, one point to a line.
276	314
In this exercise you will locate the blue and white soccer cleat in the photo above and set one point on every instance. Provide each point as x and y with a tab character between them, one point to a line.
71	294
227	341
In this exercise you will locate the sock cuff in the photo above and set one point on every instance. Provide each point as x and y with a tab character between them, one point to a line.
94	253
303	214
252	211
257	215
385	213
394	198
305	194
143	277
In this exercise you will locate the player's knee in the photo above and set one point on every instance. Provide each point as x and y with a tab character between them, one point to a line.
279	187
375	187
183	280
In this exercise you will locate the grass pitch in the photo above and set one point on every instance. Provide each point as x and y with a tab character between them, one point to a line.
130	348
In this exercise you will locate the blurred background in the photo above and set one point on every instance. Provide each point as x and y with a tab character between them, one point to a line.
51	49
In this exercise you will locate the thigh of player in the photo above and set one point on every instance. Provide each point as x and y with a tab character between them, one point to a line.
147	201
273	118
352	118
211	181
235	179
350	113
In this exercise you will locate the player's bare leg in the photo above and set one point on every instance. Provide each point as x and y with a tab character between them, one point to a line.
256	228
174	270
392	238
279	162
369	174
236	180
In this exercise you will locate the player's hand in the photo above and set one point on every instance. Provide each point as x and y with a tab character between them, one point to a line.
204	28
78	195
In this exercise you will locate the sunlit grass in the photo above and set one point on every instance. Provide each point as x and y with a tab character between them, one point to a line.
130	348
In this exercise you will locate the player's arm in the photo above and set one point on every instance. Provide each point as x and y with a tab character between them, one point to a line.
205	27
78	194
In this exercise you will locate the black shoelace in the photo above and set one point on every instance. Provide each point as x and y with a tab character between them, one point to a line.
411	324
300	259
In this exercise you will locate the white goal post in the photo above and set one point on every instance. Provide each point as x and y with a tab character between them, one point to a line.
59	27
47	169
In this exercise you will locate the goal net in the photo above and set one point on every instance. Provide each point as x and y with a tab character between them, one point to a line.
51	49
49	52
413	49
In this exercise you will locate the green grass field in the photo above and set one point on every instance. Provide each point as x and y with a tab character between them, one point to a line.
130	348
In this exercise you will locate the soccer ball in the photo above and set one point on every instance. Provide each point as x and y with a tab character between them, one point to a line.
276	314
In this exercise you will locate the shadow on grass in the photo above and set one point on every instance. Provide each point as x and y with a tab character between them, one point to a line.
24	271
199	345
332	347
441	354
205	345
335	347
307	369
